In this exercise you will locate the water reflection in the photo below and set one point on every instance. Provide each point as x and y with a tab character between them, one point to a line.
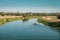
25	20
31	29
4	21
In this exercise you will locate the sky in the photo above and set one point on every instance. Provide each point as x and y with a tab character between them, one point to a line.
29	5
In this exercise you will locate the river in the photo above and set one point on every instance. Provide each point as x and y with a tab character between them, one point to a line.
30	29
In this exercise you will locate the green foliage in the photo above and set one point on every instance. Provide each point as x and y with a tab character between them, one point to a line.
28	14
3	21
52	24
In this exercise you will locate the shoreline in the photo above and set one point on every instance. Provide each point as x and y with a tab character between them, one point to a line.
50	19
9	16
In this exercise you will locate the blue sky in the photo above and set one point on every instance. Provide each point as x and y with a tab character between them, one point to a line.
30	5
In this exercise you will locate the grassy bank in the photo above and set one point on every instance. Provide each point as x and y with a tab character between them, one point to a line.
47	20
50	23
6	19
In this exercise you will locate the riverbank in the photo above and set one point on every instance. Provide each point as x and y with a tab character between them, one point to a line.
47	20
9	16
5	19
51	21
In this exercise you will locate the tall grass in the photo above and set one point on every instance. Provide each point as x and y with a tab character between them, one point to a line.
5	20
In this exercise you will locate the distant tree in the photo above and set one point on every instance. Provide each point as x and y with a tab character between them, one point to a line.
18	14
58	16
2	13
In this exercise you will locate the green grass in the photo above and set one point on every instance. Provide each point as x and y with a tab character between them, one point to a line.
3	21
55	24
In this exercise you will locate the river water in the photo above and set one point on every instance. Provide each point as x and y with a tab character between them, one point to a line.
30	29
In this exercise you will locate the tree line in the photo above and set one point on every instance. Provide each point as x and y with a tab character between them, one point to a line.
28	14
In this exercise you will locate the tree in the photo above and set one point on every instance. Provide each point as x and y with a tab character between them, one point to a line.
18	14
58	16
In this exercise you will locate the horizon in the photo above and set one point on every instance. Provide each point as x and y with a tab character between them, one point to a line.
35	6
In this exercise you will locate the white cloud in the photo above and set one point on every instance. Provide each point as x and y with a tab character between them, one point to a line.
29	9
